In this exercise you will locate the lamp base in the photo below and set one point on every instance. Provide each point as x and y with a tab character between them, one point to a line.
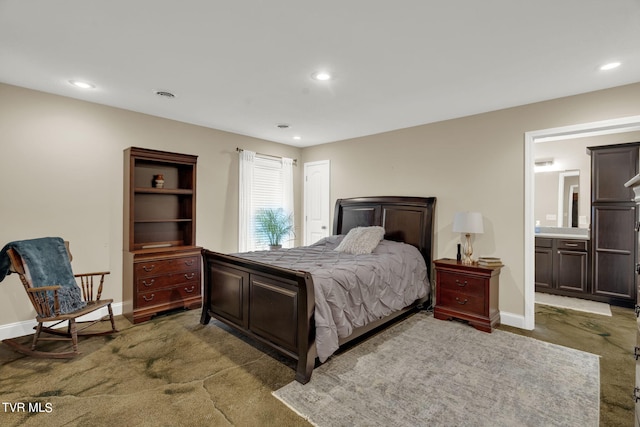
467	250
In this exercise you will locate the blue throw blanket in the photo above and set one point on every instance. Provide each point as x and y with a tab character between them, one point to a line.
48	263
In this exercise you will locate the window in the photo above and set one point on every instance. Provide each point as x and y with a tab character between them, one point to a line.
265	183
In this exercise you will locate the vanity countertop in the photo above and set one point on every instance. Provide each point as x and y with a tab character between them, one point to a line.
563	236
563	233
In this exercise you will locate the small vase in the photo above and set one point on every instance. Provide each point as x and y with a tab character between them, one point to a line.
275	247
158	181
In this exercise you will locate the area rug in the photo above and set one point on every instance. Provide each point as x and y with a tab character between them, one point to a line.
428	372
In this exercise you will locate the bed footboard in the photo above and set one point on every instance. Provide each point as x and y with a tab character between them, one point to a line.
270	304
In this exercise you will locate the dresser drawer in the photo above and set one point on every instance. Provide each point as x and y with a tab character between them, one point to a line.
148	283
459	301
167	296
455	282
173	265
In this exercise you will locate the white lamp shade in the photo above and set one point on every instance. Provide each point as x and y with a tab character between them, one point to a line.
468	222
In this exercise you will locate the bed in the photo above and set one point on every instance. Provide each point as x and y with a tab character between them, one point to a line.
276	305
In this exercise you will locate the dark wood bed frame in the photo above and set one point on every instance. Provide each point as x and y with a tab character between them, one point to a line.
275	305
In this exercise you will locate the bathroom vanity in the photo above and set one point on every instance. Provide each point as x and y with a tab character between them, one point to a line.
562	262
596	263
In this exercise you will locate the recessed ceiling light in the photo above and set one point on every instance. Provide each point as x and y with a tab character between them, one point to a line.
81	84
297	138
321	76
610	66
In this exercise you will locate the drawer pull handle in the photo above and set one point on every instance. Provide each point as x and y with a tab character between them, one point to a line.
189	276
193	288
189	262
144	282
148	269
573	245
148	299
461	284
462	302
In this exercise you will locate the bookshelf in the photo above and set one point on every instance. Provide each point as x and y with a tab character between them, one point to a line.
161	266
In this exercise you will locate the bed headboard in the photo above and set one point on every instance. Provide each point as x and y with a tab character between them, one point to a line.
405	219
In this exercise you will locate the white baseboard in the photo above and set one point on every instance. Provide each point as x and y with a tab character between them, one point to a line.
510	319
18	329
12	330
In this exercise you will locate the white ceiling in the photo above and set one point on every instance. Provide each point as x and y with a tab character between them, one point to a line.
245	66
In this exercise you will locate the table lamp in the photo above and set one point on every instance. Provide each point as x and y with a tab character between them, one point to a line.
467	223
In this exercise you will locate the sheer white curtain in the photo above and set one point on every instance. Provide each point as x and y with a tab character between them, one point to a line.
287	194
245	219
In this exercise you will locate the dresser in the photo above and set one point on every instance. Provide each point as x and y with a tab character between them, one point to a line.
163	281
467	292
161	263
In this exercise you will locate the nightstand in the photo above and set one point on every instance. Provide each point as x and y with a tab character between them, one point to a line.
467	292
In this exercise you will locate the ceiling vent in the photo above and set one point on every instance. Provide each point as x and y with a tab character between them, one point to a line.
165	94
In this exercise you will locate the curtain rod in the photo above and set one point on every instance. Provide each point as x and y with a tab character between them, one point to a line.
295	161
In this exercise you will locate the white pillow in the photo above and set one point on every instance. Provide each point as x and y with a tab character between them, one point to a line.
361	240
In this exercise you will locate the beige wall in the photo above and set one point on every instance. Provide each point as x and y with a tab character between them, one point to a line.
61	168
471	163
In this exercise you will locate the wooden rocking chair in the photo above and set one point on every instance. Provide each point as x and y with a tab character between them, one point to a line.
49	311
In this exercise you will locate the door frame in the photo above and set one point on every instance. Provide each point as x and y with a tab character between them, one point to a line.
604	127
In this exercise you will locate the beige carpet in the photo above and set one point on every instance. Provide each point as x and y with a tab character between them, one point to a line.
430	372
170	371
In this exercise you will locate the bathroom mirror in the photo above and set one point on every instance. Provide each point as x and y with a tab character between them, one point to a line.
570	164
568	198
558	202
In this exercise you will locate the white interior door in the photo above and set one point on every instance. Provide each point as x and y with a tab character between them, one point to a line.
317	201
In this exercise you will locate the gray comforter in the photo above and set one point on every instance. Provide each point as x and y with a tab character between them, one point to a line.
353	290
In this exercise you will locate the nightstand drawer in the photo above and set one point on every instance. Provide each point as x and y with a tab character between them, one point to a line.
458	301
460	283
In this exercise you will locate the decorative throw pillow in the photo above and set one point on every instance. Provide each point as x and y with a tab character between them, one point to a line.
361	240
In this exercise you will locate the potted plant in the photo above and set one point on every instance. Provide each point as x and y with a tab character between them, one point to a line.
274	224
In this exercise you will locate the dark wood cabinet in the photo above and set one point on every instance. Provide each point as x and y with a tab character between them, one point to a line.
613	221
161	263
614	254
467	292
611	167
562	266
544	264
571	269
